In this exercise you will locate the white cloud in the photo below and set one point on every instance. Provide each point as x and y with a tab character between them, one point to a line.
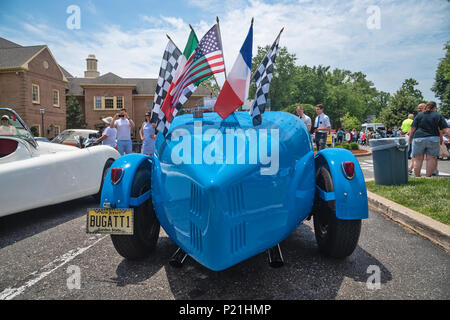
333	33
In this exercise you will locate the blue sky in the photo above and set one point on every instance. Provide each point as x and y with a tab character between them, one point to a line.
400	39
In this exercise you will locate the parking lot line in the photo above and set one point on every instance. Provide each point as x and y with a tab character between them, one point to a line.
11	293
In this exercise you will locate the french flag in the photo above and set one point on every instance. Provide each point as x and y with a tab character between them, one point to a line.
235	89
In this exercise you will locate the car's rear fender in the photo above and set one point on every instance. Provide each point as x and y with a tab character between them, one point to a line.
120	195
350	195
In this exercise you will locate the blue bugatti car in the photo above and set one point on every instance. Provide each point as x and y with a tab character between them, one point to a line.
224	191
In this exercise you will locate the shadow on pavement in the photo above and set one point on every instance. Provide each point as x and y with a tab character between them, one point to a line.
305	275
26	224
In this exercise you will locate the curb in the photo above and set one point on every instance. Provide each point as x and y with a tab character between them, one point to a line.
435	231
363	154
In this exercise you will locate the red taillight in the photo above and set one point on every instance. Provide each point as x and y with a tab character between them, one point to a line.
348	167
116	174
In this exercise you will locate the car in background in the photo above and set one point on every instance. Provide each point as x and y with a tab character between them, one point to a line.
71	137
36	173
41	139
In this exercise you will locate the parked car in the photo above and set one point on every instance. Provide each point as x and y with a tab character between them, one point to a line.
44	139
36	173
70	136
223	203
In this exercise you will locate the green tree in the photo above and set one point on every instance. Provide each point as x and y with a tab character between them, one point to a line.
349	122
441	86
281	85
309	109
404	102
74	114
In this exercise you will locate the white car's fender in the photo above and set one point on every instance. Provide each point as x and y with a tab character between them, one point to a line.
52	177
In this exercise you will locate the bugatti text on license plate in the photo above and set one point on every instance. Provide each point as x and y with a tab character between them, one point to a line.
110	221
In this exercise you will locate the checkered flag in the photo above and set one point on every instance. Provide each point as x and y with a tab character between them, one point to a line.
172	58
262	77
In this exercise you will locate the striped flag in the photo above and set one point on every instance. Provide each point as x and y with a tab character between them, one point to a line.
235	89
207	59
262	77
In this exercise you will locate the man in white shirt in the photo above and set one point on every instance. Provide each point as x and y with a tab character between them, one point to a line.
306	120
124	125
322	127
109	135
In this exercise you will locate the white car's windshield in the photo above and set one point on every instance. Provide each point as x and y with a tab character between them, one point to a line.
10	126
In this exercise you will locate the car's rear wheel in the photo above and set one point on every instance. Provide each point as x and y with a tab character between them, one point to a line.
146	225
335	237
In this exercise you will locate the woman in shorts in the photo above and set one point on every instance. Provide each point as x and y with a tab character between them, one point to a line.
425	138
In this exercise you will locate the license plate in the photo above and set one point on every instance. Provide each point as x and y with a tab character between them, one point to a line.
110	221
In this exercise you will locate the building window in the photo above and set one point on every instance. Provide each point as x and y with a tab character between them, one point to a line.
57	130
119	102
108	102
35	93
56	98
98	102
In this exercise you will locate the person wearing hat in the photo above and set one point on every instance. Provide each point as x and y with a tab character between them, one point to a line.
6	128
109	135
148	135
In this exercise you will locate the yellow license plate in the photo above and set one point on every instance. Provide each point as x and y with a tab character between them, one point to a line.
110	221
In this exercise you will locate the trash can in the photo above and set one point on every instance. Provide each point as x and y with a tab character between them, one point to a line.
390	160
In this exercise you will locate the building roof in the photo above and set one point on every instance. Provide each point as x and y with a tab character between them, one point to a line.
13	55
66	73
145	86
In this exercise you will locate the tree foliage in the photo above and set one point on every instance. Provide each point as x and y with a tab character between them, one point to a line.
402	103
74	114
441	86
340	91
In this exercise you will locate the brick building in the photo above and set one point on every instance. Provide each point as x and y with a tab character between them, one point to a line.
30	81
103	96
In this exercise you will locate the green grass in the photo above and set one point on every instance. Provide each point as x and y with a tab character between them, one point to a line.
430	196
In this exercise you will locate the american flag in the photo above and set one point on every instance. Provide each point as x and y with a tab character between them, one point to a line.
207	59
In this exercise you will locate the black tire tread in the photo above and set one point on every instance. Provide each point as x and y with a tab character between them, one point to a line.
133	247
343	235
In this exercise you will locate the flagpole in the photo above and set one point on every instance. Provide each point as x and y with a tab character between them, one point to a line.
223	56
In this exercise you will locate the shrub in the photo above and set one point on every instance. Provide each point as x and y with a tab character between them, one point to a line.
354	146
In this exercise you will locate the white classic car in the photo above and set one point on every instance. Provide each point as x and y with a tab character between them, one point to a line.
34	174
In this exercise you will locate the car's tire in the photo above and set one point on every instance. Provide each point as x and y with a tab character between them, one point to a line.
146	225
108	165
336	238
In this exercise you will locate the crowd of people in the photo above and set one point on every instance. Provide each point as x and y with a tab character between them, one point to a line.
117	133
428	135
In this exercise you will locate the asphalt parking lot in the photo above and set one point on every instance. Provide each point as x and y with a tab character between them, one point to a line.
46	254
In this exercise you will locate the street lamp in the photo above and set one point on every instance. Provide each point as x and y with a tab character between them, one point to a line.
42	111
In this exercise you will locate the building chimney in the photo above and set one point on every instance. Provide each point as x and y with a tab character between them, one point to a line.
91	67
